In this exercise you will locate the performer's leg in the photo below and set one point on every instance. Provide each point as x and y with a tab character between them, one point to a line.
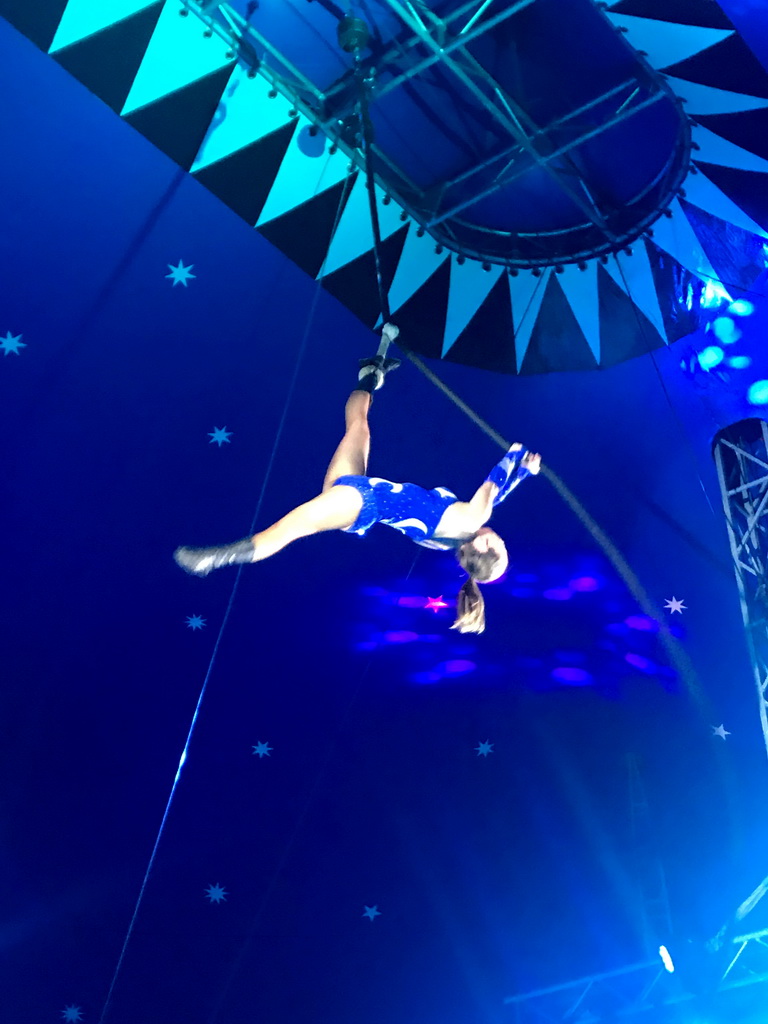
351	456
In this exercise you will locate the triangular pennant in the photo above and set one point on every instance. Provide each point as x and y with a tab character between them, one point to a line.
580	289
302	176
245	114
469	288
633	274
354	233
703	100
714	149
178	54
704	193
83	18
675	236
418	262
526	291
666	42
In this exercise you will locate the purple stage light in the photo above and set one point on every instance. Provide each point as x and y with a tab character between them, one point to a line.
412	601
584	584
637	661
457	667
400	636
571	675
558	594
642	622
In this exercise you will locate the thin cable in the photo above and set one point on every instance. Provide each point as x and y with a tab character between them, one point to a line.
674	649
225	620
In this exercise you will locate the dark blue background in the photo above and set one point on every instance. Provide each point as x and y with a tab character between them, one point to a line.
492	875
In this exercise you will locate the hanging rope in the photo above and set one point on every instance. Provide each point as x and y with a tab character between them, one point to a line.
675	651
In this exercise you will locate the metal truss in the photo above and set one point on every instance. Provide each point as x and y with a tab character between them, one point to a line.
641	988
427	41
741	457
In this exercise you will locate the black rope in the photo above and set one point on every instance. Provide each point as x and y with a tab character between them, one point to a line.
366	138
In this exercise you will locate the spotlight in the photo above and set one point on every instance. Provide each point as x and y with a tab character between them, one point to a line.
666	959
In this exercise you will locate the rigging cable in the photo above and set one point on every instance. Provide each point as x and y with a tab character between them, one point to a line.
195	716
674	649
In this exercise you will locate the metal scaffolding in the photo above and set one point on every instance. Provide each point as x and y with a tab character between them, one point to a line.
426	42
741	457
713	978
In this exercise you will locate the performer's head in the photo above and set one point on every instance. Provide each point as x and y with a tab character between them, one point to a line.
484	559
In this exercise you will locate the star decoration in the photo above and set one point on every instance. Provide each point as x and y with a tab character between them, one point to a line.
675	606
436	603
181	274
195	622
10	344
484	749
720	731
371	912
71	1014
216	893
262	749
220	436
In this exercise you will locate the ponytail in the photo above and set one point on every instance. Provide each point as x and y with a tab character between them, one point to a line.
470	608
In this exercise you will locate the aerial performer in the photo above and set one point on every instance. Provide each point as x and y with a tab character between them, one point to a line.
353	502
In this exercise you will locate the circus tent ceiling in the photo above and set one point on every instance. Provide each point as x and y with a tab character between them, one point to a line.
578	243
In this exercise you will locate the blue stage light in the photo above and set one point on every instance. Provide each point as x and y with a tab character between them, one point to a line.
741	307
710	357
758	393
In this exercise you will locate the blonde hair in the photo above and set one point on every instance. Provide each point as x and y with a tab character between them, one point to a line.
480	566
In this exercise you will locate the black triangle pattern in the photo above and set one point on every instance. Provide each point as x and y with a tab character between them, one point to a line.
703	13
488	339
177	123
107	62
35	19
355	284
304	233
557	340
729	65
630	332
243	179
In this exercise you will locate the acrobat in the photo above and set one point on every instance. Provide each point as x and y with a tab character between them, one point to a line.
353	502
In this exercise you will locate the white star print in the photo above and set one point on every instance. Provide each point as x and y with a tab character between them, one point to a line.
263	749
71	1014
220	436
675	606
195	622
371	912
720	731
216	893
484	749
180	274
12	344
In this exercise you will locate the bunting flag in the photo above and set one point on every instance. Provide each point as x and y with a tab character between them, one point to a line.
210	103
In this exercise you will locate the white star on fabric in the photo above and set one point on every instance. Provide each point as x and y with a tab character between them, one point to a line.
216	893
195	622
72	1014
262	749
675	606
12	344
720	731
220	436
181	274
371	912
484	749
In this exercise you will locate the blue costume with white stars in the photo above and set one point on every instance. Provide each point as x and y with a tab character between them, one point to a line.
415	511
